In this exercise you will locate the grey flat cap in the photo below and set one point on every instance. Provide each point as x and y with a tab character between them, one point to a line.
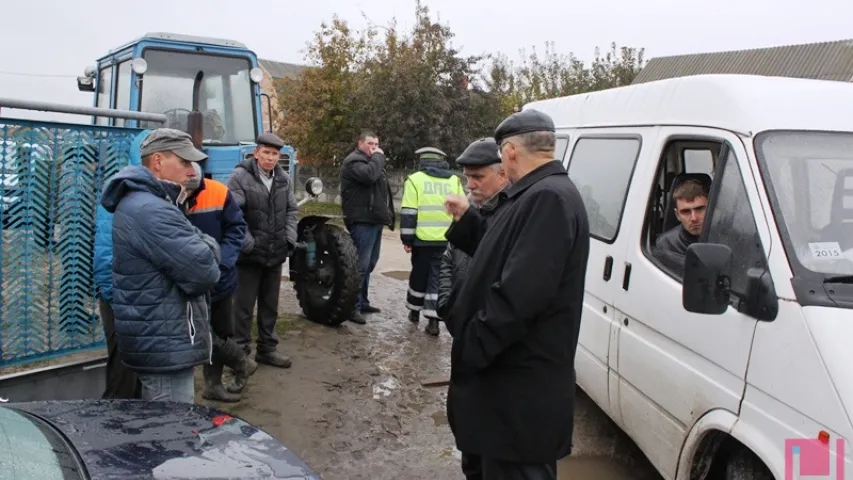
270	140
171	140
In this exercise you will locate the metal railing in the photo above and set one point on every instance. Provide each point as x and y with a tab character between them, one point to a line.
51	177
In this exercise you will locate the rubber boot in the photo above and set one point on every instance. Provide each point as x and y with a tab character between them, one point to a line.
235	357
432	327
213	388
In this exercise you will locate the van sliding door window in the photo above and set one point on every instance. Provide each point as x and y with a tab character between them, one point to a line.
601	168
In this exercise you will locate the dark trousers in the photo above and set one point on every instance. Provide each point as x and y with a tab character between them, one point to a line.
423	281
475	467
259	285
222	317
367	238
121	382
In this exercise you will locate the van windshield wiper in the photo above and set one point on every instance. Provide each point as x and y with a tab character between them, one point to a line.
839	279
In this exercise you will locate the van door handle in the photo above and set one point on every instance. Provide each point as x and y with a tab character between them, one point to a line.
608	268
626	280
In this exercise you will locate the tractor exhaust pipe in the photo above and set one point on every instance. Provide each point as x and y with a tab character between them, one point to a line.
195	121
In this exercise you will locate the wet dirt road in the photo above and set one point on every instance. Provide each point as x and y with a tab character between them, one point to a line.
353	407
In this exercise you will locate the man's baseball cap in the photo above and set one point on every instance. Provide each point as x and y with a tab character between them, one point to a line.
171	140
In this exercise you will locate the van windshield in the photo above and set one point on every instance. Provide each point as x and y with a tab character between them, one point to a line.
811	174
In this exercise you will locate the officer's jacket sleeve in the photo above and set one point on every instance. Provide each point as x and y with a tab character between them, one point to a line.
445	282
409	212
529	280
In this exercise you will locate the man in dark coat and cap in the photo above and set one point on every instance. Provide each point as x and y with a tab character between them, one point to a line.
485	178
516	318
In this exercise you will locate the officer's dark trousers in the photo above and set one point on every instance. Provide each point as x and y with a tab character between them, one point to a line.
261	285
121	382
478	468
423	281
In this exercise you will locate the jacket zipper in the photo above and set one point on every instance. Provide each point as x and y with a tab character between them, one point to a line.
190	323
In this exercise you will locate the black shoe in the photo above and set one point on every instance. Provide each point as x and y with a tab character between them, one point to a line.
370	309
432	327
273	358
357	318
414	316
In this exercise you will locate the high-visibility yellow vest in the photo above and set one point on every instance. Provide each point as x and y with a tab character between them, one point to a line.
422	213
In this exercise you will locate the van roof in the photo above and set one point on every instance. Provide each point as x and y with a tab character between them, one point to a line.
745	104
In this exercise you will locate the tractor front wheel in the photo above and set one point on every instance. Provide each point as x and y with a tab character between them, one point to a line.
328	290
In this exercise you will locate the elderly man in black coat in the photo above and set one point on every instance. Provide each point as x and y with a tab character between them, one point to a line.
516	319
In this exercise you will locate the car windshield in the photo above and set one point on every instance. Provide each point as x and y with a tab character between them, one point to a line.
30	449
811	174
225	97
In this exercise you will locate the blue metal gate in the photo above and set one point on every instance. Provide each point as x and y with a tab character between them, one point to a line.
51	177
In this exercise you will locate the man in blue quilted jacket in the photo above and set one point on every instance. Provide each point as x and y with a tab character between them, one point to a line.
163	269
120	382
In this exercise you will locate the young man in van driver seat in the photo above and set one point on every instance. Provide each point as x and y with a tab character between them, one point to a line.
691	201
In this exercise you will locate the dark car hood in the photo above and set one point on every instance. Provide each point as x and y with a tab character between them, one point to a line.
137	439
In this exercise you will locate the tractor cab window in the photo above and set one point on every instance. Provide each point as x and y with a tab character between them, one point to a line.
225	94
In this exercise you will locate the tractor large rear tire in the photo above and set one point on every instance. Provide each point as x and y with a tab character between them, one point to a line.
334	245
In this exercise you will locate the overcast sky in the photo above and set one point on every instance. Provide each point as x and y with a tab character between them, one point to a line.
61	37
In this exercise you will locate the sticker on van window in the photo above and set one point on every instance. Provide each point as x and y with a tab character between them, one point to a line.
825	250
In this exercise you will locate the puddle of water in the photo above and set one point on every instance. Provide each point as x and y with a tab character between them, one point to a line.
599	468
397	274
439	418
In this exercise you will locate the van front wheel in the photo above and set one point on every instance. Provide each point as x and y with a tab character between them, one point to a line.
745	465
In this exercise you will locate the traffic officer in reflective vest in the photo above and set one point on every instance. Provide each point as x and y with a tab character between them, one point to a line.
423	223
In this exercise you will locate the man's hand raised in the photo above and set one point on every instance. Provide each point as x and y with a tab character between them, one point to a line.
456	205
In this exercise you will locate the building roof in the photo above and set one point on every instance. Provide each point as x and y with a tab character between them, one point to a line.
281	69
821	61
741	103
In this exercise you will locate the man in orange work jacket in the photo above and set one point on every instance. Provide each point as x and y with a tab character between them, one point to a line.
212	209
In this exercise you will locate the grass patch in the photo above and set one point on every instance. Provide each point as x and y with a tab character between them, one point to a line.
320	208
333	210
285	323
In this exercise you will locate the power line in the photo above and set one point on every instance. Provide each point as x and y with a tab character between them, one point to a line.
47	75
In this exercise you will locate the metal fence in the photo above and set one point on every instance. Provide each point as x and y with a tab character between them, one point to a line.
51	176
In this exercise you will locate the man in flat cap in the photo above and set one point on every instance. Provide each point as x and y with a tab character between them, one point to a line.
264	193
423	223
163	269
485	178
516	319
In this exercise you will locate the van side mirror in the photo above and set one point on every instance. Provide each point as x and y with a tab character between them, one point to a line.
707	278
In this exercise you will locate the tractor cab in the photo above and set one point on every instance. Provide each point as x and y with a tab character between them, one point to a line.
207	87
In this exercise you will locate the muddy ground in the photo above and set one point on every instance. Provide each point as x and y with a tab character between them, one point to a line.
353	407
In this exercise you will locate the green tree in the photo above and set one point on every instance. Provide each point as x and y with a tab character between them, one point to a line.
320	105
418	92
555	75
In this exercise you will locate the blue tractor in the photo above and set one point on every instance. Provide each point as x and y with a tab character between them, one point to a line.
211	89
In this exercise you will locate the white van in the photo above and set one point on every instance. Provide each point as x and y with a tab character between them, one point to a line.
712	375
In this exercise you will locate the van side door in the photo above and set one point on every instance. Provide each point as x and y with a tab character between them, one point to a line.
675	366
601	164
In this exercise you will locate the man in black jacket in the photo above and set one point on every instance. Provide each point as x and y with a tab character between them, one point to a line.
264	193
516	318
367	206
485	178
